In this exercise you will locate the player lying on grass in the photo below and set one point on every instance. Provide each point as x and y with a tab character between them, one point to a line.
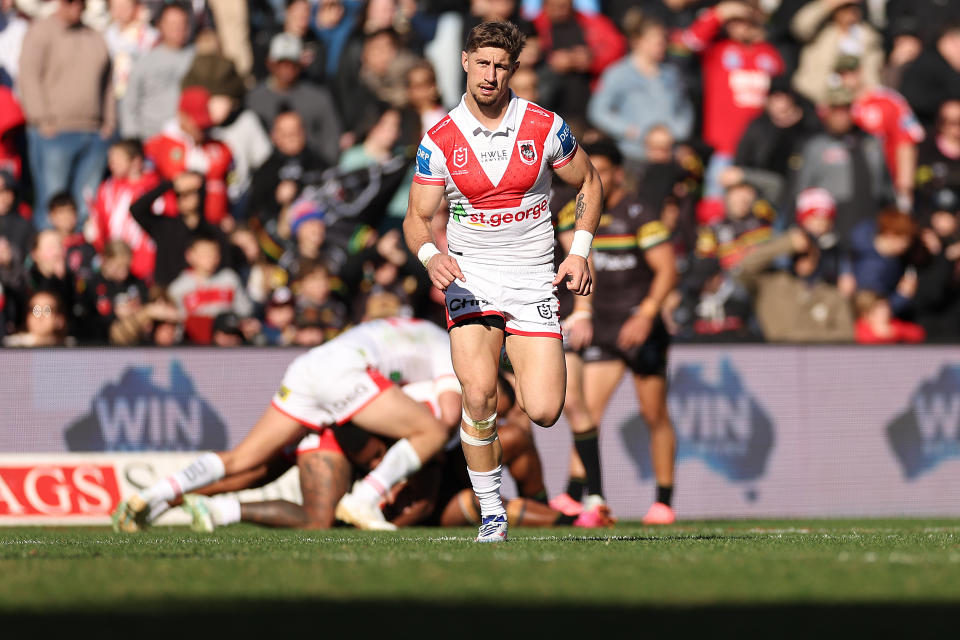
345	379
439	494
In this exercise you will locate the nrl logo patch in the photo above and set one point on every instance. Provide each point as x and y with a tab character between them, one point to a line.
528	152
460	157
545	311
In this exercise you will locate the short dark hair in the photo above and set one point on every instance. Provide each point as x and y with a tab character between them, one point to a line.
131	146
202	235
499	35
61	199
604	148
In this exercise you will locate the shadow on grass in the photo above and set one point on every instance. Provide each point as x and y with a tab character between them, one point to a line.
362	618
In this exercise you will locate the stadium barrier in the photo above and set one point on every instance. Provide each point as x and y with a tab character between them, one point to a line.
763	431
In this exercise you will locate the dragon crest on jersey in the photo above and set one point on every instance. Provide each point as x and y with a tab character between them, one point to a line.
528	151
460	157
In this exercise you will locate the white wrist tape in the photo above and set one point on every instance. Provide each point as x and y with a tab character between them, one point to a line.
478	442
581	243
427	251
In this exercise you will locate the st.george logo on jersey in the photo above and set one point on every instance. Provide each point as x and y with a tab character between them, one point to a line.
528	151
460	157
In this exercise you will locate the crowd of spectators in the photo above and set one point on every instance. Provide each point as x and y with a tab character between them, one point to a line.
226	172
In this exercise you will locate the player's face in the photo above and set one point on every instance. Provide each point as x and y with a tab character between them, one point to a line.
488	74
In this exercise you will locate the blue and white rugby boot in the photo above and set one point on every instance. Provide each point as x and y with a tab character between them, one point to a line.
493	529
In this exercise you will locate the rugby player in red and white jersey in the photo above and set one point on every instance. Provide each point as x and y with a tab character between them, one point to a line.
349	378
492	157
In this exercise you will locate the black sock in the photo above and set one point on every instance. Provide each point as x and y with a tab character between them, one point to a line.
539	496
575	487
588	448
564	520
664	494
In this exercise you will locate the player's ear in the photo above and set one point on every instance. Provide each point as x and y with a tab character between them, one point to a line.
463	60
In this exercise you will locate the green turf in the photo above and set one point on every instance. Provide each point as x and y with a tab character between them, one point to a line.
701	573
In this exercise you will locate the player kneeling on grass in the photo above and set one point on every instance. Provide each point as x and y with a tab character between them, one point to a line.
345	379
437	495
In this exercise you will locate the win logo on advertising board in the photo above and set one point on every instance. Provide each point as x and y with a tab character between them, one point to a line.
928	432
135	414
719	423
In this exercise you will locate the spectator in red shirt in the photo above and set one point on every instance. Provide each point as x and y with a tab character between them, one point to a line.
184	145
111	219
11	124
885	114
877	325
577	48
737	70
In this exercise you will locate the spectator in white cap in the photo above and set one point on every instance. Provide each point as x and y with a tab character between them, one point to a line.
286	89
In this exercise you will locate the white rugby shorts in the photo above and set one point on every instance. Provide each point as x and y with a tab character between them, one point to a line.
523	296
319	394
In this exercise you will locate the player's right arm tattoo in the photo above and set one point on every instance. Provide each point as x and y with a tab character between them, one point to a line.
581	207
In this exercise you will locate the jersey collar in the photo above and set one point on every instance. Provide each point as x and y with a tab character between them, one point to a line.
472	125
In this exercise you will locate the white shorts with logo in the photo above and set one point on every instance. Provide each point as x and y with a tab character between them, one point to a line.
523	296
319	394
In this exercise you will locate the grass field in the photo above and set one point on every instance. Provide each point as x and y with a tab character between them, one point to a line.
730	578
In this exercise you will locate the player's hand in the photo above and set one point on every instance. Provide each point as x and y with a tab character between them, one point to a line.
580	331
443	270
634	331
575	271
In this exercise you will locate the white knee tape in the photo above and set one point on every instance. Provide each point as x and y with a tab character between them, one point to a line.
477	442
481	425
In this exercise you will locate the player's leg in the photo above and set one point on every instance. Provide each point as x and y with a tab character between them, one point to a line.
584	469
419	436
520	456
600	380
463	510
269	435
652	396
541	376
475	349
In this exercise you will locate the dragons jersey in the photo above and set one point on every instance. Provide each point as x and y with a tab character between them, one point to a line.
497	183
622	275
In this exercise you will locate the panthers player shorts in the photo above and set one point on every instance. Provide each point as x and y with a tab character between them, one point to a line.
329	391
520	299
647	359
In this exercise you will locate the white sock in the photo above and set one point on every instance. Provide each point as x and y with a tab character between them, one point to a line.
399	463
225	510
157	509
486	484
204	470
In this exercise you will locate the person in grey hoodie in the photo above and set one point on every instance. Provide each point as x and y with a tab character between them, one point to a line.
154	86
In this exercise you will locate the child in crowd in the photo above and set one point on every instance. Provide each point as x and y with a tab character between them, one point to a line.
110	218
45	324
204	289
315	299
877	325
113	293
278	318
81	257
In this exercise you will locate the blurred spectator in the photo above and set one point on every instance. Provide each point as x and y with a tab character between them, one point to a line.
204	289
13	28
386	265
13	286
577	48
111	218
185	145
708	304
171	233
129	37
934	77
18	231
113	293
936	305
526	84
384	303
423	96
794	305
737	72
11	133
279	329
156	322
847	162
48	270
883	113
153	89
317	307
67	92
831	29
296	22
307	232
291	165
80	256
232	22
285	90
333	22
938	158
641	91
772	143
905	45
924	17
234	125
45	325
227	330
876	324
816	213
259	275
747	222
878	259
